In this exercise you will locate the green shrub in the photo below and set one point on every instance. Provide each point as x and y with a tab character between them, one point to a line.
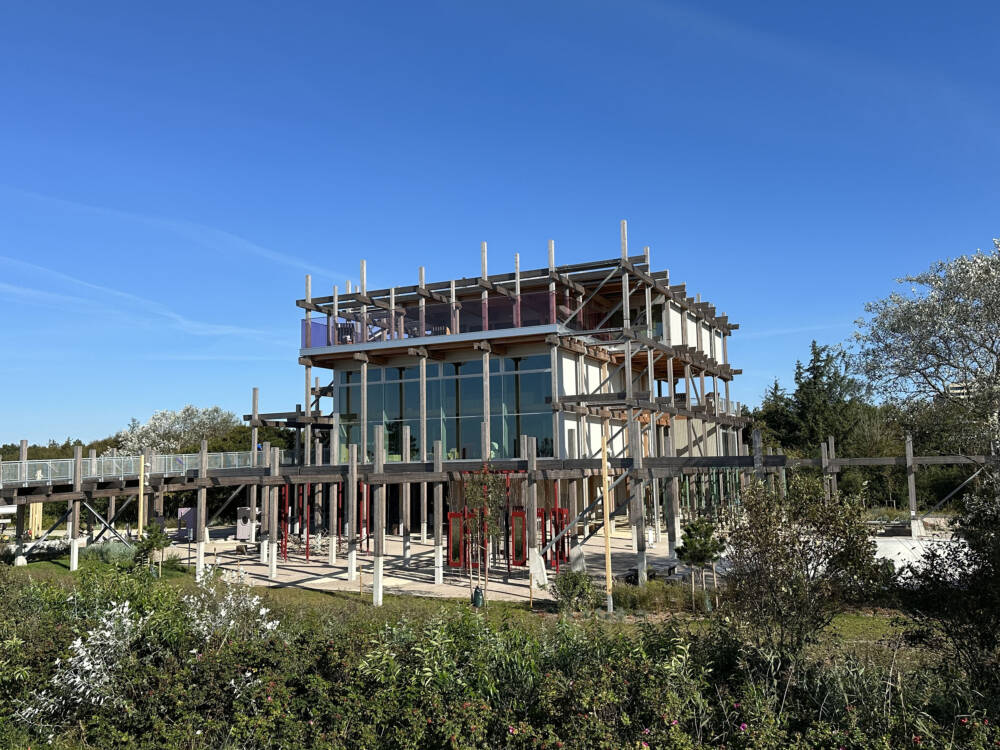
655	596
574	591
110	553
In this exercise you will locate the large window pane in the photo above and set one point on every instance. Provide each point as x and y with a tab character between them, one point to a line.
391	399
434	398
470	437
539	426
449	397
503	438
411	400
349	402
470	397
496	394
375	401
534	391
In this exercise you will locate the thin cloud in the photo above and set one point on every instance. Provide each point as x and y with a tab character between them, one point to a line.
213	358
210	237
770	333
151	307
29	294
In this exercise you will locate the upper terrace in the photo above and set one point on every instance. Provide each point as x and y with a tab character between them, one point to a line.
599	300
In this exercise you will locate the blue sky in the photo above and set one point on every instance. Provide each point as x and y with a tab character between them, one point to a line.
168	173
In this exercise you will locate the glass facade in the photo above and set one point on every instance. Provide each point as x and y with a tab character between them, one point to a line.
520	403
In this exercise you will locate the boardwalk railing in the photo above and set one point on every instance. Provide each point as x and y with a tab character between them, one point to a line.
60	470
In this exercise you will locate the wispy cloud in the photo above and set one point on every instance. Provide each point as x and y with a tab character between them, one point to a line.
772	332
213	358
38	296
147	306
206	236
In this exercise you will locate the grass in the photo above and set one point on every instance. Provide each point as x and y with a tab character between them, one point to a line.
875	632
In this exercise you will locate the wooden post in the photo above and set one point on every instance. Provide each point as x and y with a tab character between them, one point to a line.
833	471
517	290
351	499
654	451
266	497
254	435
534	557
638	489
606	511
673	498
404	495
74	523
423	434
916	525
273	528
201	535
758	455
141	497
333	521
316	508
378	560
438	514
824	461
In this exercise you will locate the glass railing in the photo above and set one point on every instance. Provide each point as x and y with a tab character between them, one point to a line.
60	470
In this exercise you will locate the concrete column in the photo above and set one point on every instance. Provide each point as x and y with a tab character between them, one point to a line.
378	560
438	514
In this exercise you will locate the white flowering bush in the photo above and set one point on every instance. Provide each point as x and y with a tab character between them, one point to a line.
223	607
169	431
132	640
940	340
90	676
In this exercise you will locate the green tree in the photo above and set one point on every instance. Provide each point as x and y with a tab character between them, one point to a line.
939	342
795	560
700	546
154	539
486	500
826	401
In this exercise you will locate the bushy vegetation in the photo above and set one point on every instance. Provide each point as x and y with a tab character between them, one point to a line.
126	660
574	591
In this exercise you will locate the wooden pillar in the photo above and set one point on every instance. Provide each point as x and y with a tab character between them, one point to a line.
438	514
274	529
423	432
333	520
673	497
351	500
833	471
201	535
404	496
378	561
824	460
637	488
654	451
916	525
364	410
534	552
254	436
316	508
